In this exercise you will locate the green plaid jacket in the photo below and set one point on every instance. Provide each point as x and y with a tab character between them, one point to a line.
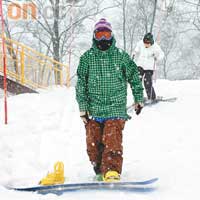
102	82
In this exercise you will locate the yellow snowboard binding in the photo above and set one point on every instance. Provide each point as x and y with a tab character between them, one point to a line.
111	176
57	177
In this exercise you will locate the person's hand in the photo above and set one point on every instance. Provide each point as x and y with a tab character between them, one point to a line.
84	116
138	107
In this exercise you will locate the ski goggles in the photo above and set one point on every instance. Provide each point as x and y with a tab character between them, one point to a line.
100	35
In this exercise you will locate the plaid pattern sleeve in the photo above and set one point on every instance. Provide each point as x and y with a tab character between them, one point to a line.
81	86
133	79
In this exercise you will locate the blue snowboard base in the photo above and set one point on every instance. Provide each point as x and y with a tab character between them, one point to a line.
138	186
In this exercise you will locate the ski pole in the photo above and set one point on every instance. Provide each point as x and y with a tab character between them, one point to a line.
153	77
4	64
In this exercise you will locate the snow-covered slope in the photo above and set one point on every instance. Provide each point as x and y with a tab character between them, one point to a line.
162	142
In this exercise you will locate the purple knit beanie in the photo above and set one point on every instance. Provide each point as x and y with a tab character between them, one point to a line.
103	25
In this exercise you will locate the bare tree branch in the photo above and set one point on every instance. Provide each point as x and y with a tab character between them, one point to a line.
78	21
154	14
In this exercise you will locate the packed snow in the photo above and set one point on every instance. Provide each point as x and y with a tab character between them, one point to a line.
163	141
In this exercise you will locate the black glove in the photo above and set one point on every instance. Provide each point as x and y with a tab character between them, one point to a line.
84	116
138	108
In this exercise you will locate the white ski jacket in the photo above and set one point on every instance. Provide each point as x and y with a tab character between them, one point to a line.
144	57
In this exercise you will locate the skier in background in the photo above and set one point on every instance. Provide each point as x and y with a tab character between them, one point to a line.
101	93
146	53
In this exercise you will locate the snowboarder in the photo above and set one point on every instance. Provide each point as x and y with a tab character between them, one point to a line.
146	53
101	92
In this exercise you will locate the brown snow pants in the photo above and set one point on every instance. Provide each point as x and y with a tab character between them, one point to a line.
104	145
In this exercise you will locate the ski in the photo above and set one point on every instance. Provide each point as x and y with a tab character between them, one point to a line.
157	100
138	186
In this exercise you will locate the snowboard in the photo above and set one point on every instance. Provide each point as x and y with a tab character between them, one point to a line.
137	186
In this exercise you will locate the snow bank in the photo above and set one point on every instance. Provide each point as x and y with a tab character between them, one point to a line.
161	142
